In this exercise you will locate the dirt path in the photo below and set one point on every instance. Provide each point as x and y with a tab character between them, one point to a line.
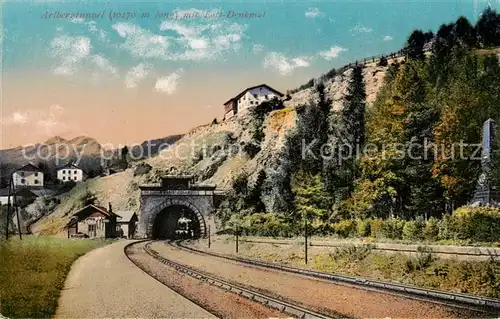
106	284
316	294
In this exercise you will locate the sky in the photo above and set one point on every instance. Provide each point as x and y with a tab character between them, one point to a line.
126	71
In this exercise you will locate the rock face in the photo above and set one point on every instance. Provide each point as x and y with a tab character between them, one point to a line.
214	153
336	88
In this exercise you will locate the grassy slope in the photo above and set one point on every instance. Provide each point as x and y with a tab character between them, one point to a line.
33	272
121	189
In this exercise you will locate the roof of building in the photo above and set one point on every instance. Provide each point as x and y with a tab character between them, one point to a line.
71	166
4	191
94	207
22	192
125	216
29	167
254	87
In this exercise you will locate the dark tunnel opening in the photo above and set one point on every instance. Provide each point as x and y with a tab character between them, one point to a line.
176	222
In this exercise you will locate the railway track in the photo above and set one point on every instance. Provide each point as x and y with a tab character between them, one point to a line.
289	308
126	251
490	254
456	300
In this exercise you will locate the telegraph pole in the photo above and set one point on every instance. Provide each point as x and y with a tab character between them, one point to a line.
237	238
16	208
208	236
305	238
8	209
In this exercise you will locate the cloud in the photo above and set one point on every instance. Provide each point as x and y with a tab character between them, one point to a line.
387	38
361	29
200	41
332	53
137	74
70	52
104	65
98	32
256	48
93	28
168	84
313	13
49	122
74	53
183	39
16	118
141	42
46	121
283	64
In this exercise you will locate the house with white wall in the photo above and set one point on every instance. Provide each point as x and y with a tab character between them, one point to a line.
249	98
27	176
70	172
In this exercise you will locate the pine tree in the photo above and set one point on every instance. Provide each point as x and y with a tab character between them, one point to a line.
488	28
415	45
311	198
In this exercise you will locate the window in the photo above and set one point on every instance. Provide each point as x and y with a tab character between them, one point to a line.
255	95
267	96
36	174
92	228
23	181
64	178
21	173
36	181
64	171
74	172
251	102
74	178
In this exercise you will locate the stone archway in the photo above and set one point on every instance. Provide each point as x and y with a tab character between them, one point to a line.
176	191
168	212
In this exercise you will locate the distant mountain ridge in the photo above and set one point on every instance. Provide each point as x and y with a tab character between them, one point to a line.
57	151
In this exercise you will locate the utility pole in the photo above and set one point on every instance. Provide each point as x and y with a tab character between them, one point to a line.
208	236
16	208
237	238
8	209
305	238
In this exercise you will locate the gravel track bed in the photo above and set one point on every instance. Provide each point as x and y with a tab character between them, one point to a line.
217	301
315	294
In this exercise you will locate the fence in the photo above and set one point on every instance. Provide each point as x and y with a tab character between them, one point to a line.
365	61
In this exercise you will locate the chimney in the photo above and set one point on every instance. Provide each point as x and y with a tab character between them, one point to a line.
110	209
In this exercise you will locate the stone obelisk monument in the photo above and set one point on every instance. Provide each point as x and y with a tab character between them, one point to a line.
486	192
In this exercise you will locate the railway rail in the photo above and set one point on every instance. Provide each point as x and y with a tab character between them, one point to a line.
489	254
456	300
289	308
138	265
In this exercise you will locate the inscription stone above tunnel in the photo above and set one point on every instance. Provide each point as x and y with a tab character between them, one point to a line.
177	197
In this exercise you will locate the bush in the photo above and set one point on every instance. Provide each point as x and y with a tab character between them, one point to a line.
393	228
363	227
382	61
446	227
345	228
478	223
142	169
431	229
376	228
413	229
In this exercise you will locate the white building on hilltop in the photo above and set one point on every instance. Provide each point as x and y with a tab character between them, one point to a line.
70	172
28	175
250	97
